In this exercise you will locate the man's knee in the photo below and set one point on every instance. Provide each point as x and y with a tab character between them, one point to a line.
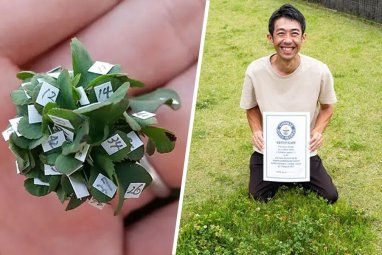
331	196
262	196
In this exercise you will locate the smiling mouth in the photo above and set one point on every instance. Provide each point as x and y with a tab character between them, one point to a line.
287	49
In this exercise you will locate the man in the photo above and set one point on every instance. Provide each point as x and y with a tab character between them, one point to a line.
288	81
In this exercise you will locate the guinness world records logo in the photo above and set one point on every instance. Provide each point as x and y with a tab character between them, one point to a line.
286	130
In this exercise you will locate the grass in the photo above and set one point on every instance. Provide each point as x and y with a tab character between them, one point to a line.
242	226
221	146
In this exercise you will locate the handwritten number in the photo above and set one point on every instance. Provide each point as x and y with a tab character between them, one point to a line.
53	142
118	144
135	190
51	97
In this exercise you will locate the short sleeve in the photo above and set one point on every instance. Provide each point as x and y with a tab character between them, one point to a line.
248	96
327	93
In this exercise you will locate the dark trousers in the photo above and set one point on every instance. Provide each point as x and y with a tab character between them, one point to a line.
320	181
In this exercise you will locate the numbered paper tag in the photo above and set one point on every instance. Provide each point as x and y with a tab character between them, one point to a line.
14	124
134	140
92	201
61	121
100	67
54	75
54	141
25	83
79	188
113	144
33	115
84	100
50	170
37	181
7	133
56	69
81	154
103	91
17	168
105	185
134	190
143	115
48	93
69	135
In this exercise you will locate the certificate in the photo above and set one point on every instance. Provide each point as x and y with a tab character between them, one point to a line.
286	146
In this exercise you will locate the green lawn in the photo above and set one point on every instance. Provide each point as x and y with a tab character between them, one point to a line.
217	216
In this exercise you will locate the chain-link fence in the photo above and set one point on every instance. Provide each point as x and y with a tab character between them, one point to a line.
369	9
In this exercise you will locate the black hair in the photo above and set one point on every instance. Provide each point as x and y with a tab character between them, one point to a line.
286	11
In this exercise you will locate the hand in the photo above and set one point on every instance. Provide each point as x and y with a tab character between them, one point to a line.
258	139
316	140
154	41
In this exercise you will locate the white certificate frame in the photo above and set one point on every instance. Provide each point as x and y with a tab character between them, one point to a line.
286	146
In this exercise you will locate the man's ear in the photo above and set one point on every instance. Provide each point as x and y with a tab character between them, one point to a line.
270	38
303	37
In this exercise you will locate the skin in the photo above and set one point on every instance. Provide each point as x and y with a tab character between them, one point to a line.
154	41
287	39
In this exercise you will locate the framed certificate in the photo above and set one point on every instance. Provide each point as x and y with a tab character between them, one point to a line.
286	146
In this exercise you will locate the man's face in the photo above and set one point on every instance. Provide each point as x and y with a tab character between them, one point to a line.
287	38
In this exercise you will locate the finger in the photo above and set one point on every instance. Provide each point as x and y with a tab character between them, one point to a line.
170	165
153	40
29	28
154	234
41	225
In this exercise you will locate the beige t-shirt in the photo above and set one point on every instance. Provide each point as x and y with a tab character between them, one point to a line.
303	90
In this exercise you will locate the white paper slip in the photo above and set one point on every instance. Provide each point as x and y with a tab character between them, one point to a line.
26	94
134	140
54	75
113	144
37	181
84	100
7	133
79	188
92	201
100	67
103	91
69	135
105	185
134	190
143	115
81	154
54	141
48	93
50	170
14	124
25	83
79	166
55	69
33	115
17	168
61	121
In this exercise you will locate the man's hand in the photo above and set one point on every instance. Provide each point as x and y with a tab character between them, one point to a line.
258	139
316	140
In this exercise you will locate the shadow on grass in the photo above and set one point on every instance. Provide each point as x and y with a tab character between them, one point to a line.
292	223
